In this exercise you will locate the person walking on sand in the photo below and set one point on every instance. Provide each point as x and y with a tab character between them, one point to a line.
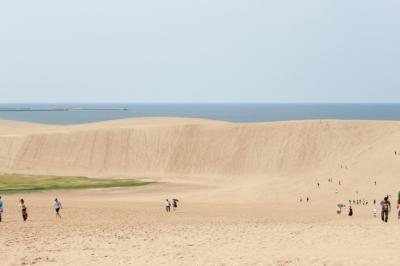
398	199
386	208
175	204
350	211
167	205
24	210
374	212
398	204
57	208
1	208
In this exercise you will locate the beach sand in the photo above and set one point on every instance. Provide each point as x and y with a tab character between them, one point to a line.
110	227
239	187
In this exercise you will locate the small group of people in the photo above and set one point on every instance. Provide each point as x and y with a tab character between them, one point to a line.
386	208
360	202
171	203
24	209
307	199
385	203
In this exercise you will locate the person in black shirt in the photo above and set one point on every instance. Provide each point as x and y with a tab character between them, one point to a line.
350	211
386	208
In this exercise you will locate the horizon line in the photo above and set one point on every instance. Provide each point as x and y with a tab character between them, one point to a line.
199	103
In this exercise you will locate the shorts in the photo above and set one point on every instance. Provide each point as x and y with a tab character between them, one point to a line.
57	210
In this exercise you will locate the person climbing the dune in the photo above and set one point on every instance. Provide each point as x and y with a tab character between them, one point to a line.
386	208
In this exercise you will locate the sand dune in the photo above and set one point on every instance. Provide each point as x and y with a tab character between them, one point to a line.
244	161
239	186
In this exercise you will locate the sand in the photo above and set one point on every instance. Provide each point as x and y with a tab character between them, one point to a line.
99	229
239	186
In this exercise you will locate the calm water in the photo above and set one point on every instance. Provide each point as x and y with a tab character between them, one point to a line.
226	112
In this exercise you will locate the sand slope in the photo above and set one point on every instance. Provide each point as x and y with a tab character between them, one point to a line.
238	184
244	159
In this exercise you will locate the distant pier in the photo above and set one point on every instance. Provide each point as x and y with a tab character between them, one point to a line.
59	109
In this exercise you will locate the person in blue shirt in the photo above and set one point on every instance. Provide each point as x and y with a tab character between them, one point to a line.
1	208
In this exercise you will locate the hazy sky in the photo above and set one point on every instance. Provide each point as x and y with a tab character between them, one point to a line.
199	51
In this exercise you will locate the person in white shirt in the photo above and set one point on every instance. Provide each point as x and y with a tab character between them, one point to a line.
374	212
167	205
57	207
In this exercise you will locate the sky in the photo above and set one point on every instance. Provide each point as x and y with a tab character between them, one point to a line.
199	51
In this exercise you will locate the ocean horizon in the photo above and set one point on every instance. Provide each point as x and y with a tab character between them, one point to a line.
78	113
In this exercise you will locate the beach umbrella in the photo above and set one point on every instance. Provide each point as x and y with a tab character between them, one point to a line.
340	206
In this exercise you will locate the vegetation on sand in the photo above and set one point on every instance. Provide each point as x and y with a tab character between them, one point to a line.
15	183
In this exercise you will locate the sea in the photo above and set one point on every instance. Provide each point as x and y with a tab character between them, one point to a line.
78	113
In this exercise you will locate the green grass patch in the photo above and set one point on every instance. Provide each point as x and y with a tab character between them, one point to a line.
17	183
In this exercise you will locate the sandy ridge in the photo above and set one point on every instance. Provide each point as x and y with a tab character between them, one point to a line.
239	157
